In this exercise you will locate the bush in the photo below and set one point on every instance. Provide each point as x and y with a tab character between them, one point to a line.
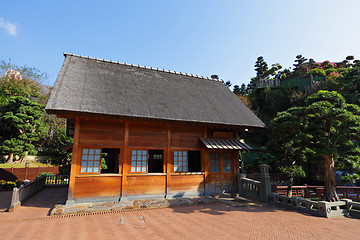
10	185
45	174
2	184
317	72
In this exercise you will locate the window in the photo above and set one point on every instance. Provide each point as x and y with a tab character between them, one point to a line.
110	160
180	161
139	160
155	162
214	162
194	161
90	161
227	162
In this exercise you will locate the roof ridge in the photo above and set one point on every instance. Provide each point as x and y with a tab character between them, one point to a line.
145	67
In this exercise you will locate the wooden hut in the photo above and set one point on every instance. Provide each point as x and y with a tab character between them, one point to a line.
142	132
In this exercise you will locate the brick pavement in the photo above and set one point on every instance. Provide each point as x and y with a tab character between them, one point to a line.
211	221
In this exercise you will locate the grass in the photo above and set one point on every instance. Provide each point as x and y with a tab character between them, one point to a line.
22	165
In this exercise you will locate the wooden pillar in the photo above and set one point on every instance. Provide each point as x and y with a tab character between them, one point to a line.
26	172
205	162
75	162
125	161
168	160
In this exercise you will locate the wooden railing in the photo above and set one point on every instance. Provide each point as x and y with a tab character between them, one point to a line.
317	191
57	180
29	189
249	188
26	191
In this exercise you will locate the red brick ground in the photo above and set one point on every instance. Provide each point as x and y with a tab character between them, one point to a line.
213	221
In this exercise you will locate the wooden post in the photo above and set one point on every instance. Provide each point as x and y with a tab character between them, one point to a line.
26	172
74	163
125	162
168	161
205	162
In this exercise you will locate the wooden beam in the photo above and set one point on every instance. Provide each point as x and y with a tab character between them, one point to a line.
205	161
168	159
75	160
125	161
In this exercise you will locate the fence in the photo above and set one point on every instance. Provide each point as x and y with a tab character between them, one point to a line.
11	174
317	208
57	180
26	191
29	189
353	208
306	191
249	188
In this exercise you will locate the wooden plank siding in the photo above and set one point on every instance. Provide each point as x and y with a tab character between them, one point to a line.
146	184
93	132
99	186
187	182
127	136
147	136
186	137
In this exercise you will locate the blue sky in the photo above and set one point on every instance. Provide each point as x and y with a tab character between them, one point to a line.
198	37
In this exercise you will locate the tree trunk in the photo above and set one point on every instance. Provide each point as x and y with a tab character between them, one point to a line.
289	187
10	158
329	194
22	158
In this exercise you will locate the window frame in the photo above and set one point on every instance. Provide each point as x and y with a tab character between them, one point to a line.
88	159
139	160
182	160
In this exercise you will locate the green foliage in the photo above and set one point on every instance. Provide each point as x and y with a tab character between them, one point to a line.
21	125
54	149
317	72
299	61
236	90
103	161
348	84
325	126
347	178
45	174
21	81
294	171
269	102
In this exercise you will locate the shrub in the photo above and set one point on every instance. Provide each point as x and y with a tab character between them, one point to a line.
10	185
317	72
45	174
2	184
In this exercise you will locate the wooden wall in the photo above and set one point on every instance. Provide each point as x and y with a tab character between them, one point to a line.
134	135
97	186
182	136
187	183
146	184
147	135
101	132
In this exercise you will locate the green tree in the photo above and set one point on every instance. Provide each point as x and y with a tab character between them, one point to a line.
326	129
262	72
22	81
243	90
53	148
348	84
298	62
237	90
22	126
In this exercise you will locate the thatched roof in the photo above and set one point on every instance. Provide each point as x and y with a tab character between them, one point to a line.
97	86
